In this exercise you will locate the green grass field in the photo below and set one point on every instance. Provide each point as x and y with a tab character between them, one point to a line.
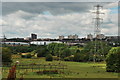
74	70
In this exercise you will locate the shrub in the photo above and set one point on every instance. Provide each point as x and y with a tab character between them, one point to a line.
65	53
99	58
77	57
41	52
49	57
6	54
113	60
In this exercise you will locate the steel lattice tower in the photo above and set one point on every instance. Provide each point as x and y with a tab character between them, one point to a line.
97	19
97	31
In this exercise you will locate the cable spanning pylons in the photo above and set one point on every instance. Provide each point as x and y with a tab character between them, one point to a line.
97	29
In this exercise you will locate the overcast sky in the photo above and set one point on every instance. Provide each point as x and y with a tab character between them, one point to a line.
51	19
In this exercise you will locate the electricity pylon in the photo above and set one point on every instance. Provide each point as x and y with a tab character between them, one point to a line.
97	30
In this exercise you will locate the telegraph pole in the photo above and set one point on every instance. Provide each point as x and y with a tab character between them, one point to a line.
97	30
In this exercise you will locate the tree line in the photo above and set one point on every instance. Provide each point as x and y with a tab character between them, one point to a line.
61	51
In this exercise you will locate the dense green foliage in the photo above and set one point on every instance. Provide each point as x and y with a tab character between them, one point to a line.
69	58
73	49
42	51
6	55
22	49
78	56
49	57
102	49
113	60
59	49
65	53
56	48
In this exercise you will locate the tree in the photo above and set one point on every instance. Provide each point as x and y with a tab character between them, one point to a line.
49	57
73	49
51	47
102	49
42	52
77	51
77	57
6	55
22	49
81	56
56	48
113	60
65	53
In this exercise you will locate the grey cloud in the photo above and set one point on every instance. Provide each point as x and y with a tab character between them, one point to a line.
60	0
63	19
55	8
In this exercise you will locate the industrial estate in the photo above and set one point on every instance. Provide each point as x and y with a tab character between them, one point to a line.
70	40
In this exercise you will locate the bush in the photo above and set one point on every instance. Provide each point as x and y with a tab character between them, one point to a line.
49	57
41	52
113	60
87	58
65	53
6	55
99	58
77	57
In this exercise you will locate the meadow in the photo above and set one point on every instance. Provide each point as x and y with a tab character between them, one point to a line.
74	69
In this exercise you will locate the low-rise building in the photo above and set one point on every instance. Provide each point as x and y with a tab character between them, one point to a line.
70	36
100	36
89	36
61	37
73	36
